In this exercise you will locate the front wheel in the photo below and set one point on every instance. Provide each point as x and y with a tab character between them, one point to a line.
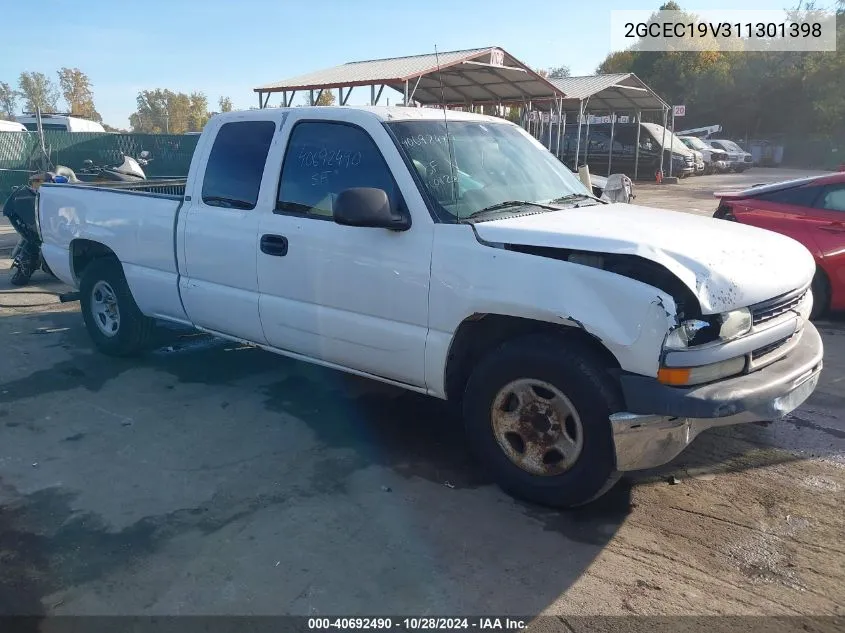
537	415
112	318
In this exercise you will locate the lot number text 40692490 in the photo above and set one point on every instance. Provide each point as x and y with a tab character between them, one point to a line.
418	624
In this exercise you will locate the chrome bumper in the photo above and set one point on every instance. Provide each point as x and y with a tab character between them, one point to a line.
650	440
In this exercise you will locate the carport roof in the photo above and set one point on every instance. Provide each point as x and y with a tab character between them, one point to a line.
612	92
477	75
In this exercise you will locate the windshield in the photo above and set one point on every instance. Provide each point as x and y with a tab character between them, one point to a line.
730	146
661	134
694	142
490	163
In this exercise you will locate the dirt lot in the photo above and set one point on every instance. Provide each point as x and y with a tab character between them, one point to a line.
206	478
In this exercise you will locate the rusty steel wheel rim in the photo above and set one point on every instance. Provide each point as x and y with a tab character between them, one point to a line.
537	427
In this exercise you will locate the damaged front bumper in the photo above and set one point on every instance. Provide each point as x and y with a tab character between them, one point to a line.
661	421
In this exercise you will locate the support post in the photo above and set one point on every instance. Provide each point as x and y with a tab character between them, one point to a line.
610	150
340	96
378	95
311	97
260	99
551	116
561	124
637	146
372	94
663	140
672	143
406	94
578	138
587	141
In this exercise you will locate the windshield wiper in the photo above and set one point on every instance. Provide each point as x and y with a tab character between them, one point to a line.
574	196
507	204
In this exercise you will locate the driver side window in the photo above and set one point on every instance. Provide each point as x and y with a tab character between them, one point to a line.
322	160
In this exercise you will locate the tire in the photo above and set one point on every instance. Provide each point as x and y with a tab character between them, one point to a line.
133	330
577	373
821	294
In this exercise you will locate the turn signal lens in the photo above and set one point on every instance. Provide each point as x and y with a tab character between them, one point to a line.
678	376
673	375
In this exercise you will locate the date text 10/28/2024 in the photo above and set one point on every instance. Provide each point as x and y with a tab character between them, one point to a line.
418	624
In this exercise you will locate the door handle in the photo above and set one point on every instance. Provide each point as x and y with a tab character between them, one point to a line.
834	227
275	245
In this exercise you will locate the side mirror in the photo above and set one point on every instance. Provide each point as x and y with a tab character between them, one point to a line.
144	154
368	207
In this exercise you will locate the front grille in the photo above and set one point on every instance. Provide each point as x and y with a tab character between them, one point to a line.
768	310
760	352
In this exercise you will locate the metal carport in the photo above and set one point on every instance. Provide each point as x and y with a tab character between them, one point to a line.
614	94
474	77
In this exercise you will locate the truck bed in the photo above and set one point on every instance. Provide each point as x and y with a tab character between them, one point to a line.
136	221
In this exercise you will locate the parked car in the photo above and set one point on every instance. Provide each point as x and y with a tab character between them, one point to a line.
738	159
700	165
595	142
11	126
809	210
61	122
460	259
715	160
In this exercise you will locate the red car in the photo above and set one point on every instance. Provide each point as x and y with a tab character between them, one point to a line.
809	210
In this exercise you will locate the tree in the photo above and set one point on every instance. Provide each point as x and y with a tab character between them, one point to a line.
225	104
8	101
326	98
38	92
558	72
163	111
76	89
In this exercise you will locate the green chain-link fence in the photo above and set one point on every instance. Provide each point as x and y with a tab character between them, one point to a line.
20	153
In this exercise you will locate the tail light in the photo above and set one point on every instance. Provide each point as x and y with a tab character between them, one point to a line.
725	212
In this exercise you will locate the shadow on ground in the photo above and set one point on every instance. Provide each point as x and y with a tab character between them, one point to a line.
497	555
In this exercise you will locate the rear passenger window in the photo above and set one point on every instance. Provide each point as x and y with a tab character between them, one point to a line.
800	196
236	164
322	160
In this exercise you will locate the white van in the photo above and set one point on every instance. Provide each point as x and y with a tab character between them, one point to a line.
62	122
11	126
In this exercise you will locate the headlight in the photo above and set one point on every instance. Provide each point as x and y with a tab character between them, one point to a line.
685	334
680	376
721	327
735	323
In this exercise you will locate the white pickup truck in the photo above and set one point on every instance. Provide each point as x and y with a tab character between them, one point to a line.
451	254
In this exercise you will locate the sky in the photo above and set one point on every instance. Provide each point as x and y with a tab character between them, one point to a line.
228	47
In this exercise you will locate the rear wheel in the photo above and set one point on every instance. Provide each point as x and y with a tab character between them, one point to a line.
821	294
112	318
537	416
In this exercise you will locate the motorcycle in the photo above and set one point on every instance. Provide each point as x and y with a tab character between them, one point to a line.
26	256
128	170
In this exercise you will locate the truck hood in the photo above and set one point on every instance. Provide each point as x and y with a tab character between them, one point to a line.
725	264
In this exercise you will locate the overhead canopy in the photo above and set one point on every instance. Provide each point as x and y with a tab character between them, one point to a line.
611	93
476	76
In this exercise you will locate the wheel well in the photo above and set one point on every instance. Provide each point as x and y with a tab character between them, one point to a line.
481	333
821	273
83	252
